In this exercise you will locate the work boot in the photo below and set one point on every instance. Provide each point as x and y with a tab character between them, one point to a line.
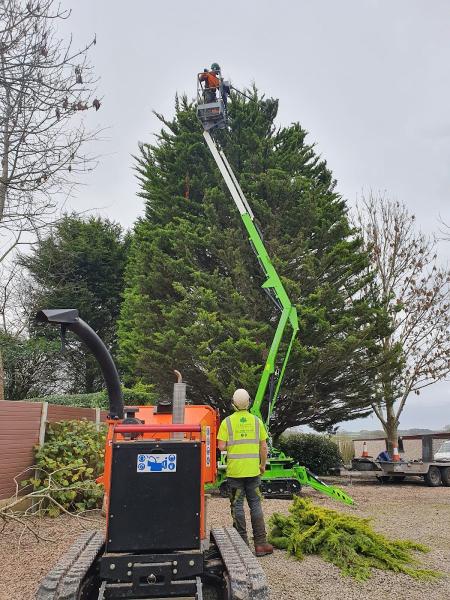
263	549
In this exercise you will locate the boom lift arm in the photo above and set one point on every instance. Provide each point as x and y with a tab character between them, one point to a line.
272	285
280	467
283	476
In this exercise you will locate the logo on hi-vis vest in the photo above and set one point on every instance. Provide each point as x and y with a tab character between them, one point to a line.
245	428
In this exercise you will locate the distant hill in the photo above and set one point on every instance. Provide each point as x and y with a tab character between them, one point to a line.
374	433
379	433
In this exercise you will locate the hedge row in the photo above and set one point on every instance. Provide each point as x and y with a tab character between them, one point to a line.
67	466
319	453
99	399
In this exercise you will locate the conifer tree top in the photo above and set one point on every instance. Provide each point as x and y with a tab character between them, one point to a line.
193	299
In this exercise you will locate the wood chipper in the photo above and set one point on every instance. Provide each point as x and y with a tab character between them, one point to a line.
157	462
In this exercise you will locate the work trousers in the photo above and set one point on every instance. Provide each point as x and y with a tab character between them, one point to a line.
241	488
210	95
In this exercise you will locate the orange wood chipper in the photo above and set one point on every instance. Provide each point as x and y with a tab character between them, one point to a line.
156	544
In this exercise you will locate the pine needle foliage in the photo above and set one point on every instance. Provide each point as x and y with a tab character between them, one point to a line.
347	541
193	298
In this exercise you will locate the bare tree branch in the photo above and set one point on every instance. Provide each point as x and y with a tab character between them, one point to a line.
416	294
39	503
46	88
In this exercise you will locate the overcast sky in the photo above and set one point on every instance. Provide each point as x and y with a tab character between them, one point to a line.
368	79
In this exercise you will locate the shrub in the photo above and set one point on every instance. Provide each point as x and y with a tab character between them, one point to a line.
346	447
140	395
318	453
67	466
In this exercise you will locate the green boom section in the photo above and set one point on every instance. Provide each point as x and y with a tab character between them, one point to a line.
279	471
279	467
288	315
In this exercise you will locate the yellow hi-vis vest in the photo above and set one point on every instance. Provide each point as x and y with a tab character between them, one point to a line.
243	432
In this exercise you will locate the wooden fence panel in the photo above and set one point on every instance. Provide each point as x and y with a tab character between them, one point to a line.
19	433
65	413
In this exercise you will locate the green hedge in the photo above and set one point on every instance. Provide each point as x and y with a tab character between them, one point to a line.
67	465
100	399
319	453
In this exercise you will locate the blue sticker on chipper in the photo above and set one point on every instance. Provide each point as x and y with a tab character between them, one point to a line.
156	463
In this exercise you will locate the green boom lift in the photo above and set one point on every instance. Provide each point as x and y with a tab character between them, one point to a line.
283	477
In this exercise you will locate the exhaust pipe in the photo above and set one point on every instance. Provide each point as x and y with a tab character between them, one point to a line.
69	319
179	403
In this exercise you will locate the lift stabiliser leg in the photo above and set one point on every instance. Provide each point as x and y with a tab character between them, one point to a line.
284	479
305	477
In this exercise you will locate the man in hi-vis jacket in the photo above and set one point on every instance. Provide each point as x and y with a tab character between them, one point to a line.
244	436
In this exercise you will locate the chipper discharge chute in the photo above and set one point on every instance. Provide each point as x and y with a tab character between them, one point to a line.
157	462
283	476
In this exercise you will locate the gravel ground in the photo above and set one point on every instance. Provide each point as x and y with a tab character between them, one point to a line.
403	511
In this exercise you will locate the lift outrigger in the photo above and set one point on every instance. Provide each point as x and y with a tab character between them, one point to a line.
283	477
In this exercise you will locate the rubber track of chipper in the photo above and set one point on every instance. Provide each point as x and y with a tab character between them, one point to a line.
246	576
63	582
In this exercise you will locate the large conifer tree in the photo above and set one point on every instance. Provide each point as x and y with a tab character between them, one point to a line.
79	265
193	299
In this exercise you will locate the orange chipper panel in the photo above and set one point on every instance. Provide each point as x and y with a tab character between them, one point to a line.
202	415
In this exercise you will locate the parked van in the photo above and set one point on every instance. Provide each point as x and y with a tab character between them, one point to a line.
443	454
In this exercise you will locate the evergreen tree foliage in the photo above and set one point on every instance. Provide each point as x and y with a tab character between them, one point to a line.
80	265
30	366
347	541
193	299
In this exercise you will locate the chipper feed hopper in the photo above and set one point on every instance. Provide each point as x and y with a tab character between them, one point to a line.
156	545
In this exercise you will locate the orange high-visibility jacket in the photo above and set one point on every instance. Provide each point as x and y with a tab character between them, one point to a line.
211	79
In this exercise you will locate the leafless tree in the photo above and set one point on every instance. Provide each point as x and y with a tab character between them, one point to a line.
415	291
444	230
46	88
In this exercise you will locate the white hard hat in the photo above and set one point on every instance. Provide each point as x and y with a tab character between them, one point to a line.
241	399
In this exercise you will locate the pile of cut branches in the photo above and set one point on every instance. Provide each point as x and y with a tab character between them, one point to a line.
348	542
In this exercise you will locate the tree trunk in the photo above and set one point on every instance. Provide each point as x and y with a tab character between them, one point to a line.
2	198
2	378
5	142
391	427
89	382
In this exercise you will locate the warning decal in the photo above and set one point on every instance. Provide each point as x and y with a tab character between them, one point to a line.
208	446
156	463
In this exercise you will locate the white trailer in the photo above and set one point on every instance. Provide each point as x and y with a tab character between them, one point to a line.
434	473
